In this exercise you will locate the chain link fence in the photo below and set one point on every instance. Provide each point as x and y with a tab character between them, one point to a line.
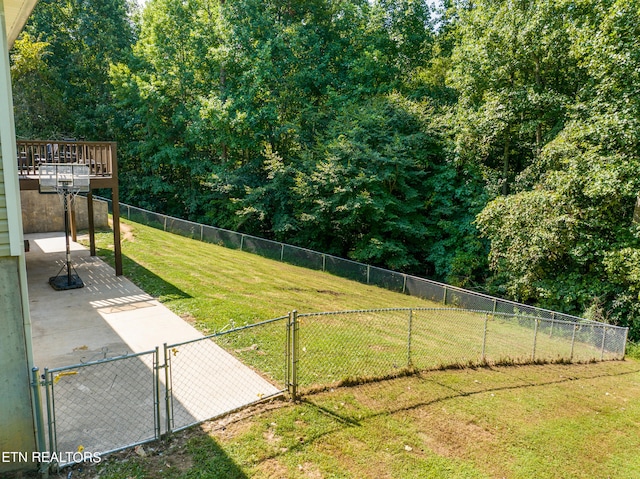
103	406
114	403
111	404
206	381
333	349
295	255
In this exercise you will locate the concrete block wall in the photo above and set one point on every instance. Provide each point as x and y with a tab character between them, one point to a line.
45	213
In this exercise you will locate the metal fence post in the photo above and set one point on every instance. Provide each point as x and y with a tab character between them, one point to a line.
444	299
573	340
287	359
409	338
404	284
157	420
294	351
368	272
484	336
241	242
535	339
168	400
37	402
624	343
604	337
51	414
324	262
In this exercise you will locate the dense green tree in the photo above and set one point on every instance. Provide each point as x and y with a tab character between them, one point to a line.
386	131
515	77
364	193
39	109
569	240
175	65
78	39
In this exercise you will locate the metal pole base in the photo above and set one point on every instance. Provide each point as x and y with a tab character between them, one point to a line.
61	283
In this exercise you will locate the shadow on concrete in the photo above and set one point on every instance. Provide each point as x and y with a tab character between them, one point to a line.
147	280
99	343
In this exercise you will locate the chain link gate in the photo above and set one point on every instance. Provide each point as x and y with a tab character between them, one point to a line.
108	405
205	381
111	404
102	406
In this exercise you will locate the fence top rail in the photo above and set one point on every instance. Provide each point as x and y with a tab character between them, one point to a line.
227	331
579	322
99	361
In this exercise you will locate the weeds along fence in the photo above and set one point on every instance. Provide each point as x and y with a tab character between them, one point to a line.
371	275
115	403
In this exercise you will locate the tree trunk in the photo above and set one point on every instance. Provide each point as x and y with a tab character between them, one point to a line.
505	166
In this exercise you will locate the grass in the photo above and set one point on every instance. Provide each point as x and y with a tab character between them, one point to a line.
552	421
218	288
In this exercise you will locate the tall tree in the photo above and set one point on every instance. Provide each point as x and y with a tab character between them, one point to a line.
82	38
569	240
515	76
162	90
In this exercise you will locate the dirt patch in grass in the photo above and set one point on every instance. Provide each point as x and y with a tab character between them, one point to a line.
126	231
447	436
272	468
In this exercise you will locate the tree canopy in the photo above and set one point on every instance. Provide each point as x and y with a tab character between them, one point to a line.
492	144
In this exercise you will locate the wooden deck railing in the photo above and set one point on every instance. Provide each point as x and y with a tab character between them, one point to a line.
98	155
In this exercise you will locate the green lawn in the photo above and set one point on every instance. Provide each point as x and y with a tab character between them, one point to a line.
551	421
218	288
540	421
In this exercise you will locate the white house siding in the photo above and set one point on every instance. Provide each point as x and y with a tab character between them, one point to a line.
17	425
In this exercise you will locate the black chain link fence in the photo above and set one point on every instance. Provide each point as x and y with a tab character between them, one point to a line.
116	403
393	280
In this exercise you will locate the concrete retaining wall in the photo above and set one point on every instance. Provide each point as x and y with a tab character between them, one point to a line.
16	417
45	213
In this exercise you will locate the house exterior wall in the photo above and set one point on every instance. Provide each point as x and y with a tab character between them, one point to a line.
16	419
17	424
4	223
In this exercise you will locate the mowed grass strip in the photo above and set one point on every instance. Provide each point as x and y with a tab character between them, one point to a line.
552	421
218	289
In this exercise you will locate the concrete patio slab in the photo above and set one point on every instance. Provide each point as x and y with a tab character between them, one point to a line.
101	406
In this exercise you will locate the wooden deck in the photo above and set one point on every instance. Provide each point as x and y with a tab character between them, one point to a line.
99	156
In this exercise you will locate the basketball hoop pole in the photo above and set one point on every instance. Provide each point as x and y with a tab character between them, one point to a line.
67	180
67	212
70	280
